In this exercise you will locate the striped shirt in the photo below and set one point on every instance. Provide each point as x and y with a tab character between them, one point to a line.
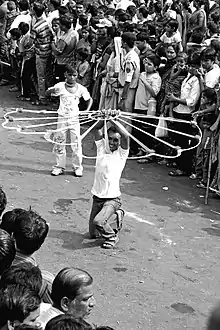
41	36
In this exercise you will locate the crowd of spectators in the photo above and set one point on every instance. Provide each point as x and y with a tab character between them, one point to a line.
143	56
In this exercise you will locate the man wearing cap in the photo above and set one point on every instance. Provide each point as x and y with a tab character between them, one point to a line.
129	73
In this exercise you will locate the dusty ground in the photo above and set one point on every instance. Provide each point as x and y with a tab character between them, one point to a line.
164	274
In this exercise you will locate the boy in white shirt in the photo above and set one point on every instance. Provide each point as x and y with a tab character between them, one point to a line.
112	153
70	93
172	35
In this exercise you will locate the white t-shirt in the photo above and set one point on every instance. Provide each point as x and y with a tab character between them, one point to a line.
69	103
124	4
212	77
174	39
109	167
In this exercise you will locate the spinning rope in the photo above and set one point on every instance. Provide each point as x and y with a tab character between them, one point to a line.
43	122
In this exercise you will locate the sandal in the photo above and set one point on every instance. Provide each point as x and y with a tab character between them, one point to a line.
177	173
111	242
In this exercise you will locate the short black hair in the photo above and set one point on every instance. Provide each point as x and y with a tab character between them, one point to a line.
15	33
173	24
3	201
68	282
55	3
143	11
23	27
70	69
129	38
23	5
25	274
8	220
142	36
7	250
16	303
67	322
30	231
155	59
208	54
210	94
38	8
66	20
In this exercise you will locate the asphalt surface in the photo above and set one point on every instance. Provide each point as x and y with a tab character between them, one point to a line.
163	274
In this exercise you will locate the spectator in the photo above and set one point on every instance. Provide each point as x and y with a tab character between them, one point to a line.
7	250
67	322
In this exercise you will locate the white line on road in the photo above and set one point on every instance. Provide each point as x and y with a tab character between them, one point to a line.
137	218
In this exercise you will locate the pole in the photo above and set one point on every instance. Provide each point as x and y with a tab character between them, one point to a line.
209	172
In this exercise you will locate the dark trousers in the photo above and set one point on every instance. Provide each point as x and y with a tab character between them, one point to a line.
185	160
103	216
29	77
59	72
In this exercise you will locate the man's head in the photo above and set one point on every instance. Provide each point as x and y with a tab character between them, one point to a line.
128	40
30	231
208	56
54	4
25	274
72	292
79	8
67	322
7	250
18	304
38	9
141	42
3	201
65	22
114	139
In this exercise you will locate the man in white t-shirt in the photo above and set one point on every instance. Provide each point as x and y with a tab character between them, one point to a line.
70	93
112	152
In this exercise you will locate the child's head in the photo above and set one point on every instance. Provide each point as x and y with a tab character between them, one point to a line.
181	60
208	96
11	5
197	37
208	56
29	232
24	28
171	51
15	34
131	10
151	63
56	24
82	54
85	33
70	74
8	220
3	201
172	26
142	39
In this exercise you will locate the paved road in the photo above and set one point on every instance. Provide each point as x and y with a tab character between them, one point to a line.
164	273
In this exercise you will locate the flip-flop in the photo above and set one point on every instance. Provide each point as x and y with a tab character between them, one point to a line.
111	242
177	173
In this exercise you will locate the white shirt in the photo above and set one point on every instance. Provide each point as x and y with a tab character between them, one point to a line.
109	167
22	17
130	69
124	4
51	15
69	102
212	77
190	91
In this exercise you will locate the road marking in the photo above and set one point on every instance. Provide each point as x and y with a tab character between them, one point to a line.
137	218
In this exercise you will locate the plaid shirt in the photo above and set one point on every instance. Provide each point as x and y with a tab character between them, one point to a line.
47	278
41	36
